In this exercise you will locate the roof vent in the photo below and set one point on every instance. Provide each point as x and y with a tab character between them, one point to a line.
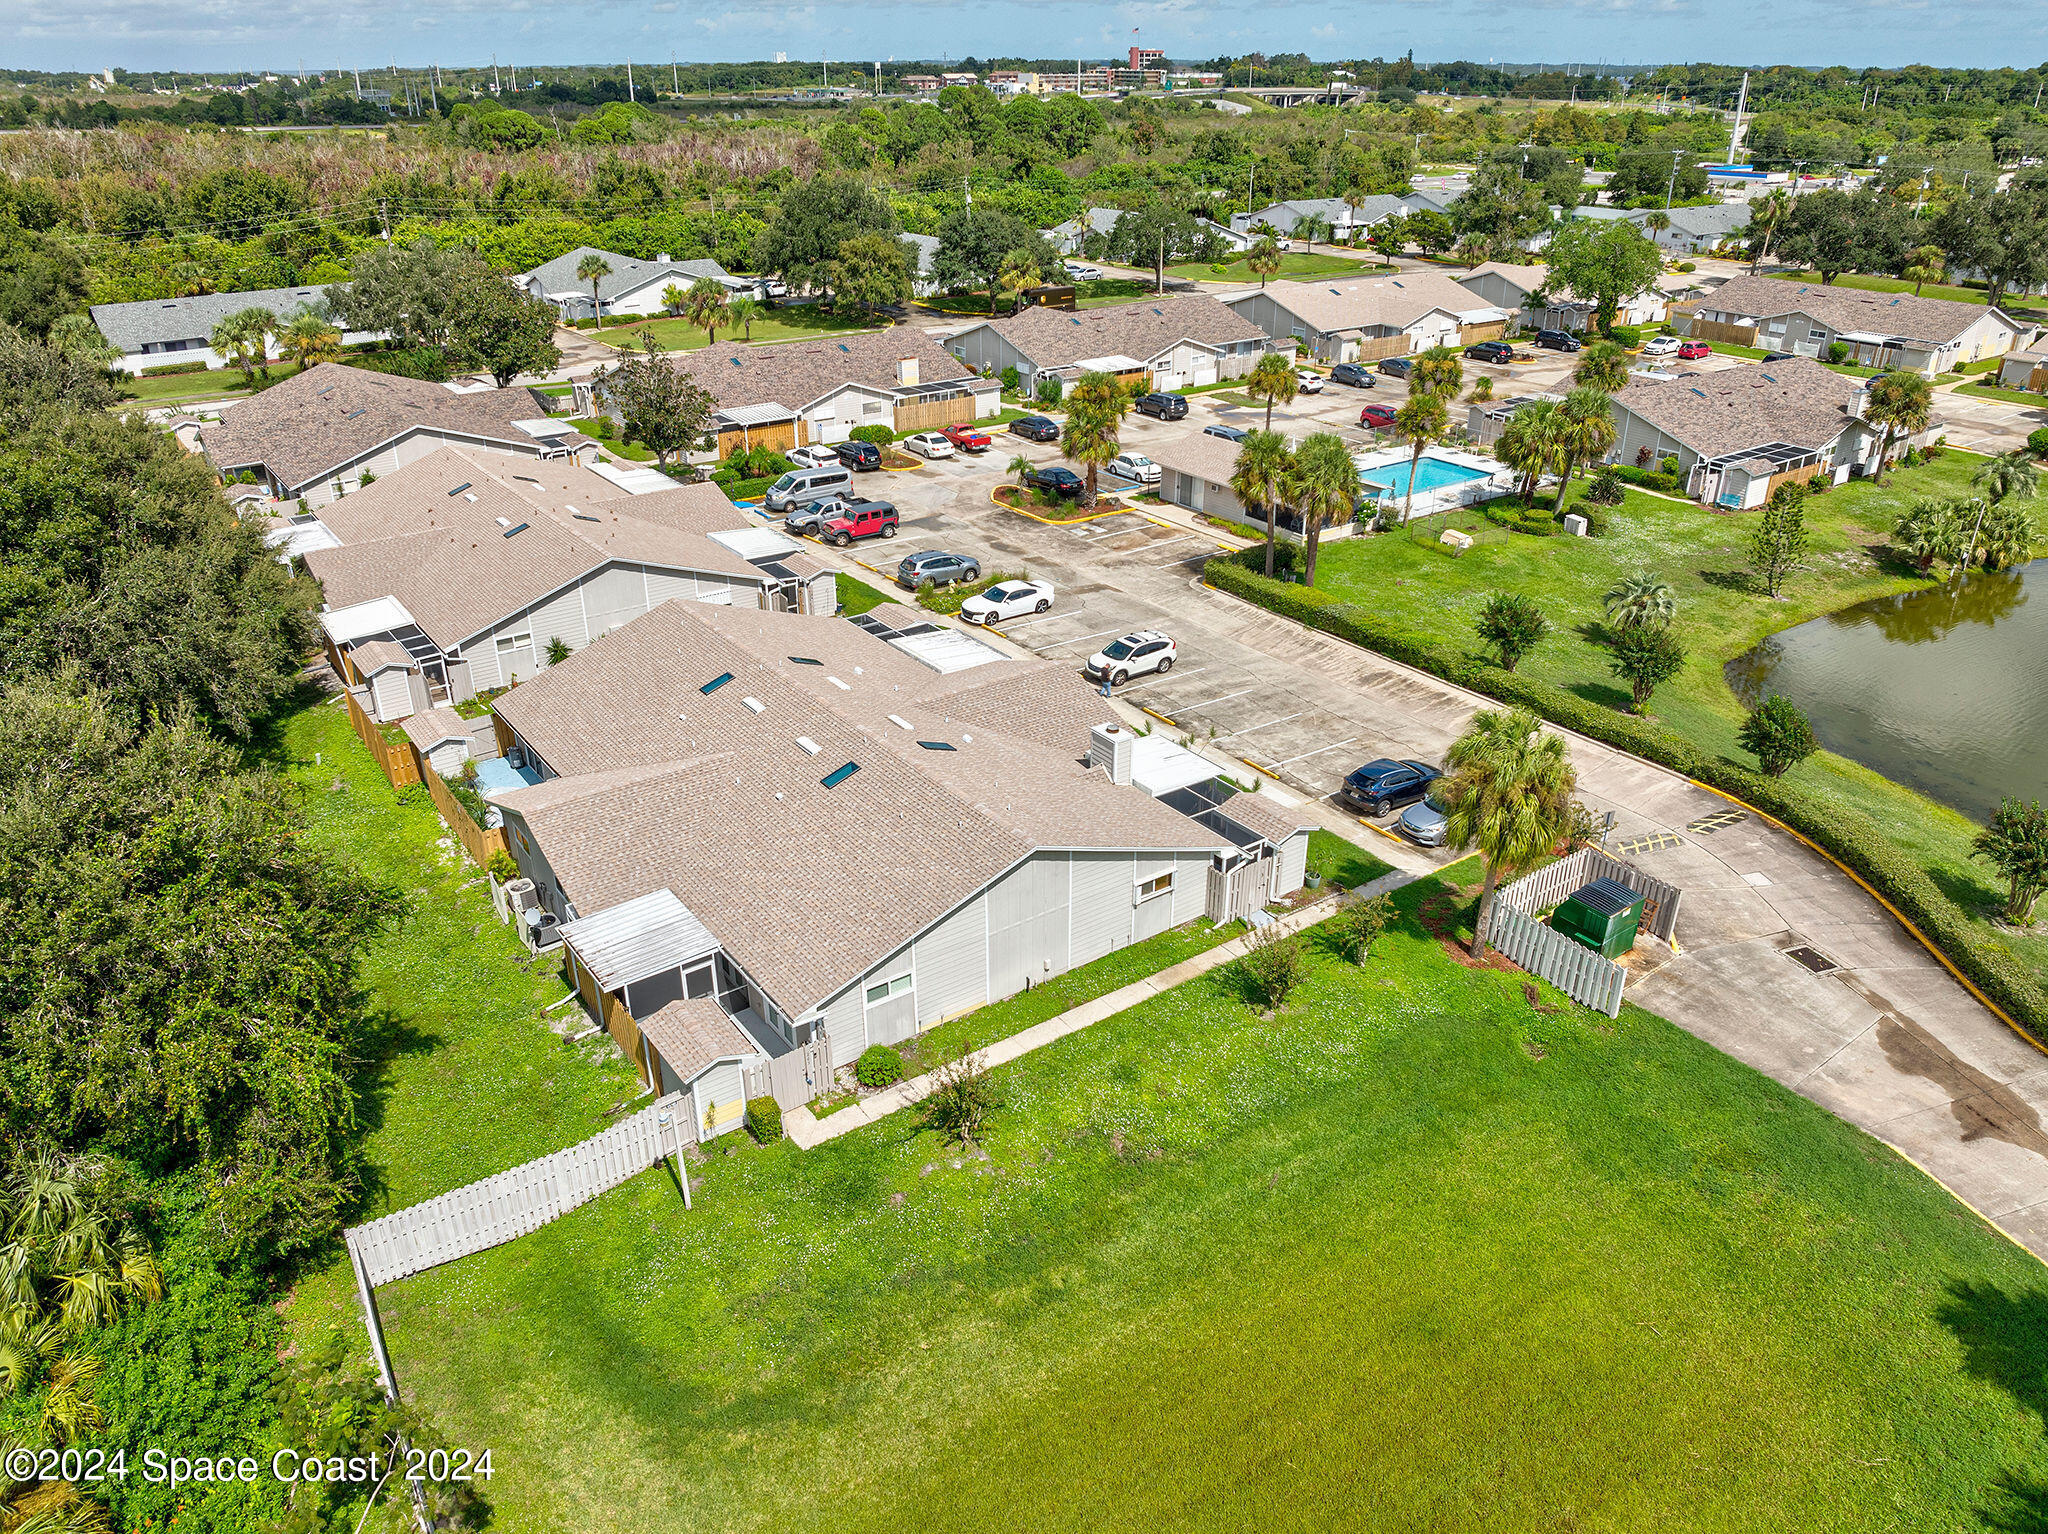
1701	393
513	532
504	521
899	721
839	775
1398	283
734	360
838	684
716	682
809	746
583	516
754	705
845	348
354	413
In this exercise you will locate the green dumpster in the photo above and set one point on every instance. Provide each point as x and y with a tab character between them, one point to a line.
1603	916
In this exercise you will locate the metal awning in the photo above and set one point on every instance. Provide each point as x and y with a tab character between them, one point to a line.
644	937
1778	455
754	544
943	649
755	415
1159	766
379	615
632	480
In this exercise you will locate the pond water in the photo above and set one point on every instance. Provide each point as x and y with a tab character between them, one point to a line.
1944	690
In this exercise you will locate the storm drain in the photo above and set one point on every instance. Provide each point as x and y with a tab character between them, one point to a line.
1720	820
1813	959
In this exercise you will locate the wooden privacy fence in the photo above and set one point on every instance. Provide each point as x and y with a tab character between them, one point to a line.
1548	886
506	1206
476	841
1579	972
924	415
1373	348
395	761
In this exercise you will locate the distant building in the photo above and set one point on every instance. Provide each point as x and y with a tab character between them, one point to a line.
631	286
160	332
1146	58
921	83
959	77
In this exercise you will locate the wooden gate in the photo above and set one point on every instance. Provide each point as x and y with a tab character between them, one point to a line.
1235	894
795	1078
929	415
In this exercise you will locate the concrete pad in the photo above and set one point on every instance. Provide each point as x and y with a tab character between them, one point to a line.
1995	1177
1754	1003
1860	1083
1708	917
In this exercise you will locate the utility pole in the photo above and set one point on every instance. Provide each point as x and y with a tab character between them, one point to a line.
1741	101
434	85
629	82
1671	185
675	74
495	83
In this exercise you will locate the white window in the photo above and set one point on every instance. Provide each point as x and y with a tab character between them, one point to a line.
882	990
1148	889
1814	333
509	642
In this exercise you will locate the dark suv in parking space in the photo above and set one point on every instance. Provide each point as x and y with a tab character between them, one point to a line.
1382	786
1351	373
1490	351
1036	428
1167	407
1398	367
858	455
1557	340
936	568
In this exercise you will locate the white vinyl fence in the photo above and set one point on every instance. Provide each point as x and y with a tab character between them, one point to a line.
1578	971
1564	878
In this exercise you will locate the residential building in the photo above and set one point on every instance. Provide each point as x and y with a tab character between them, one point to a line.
838	843
1484	420
1696	231
922	84
1356	319
923	250
318	433
2024	370
162	332
958	77
1882	330
1739	433
1526	289
1202	79
798	392
1173	341
632	286
1071	238
457	574
1342	221
1195	472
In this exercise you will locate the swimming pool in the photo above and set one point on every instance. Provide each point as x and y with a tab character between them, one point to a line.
1431	473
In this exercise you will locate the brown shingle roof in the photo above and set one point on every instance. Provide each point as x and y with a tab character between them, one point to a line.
794	373
1358	303
1053	338
379	654
691	1034
312	423
1796	401
430	727
1934	320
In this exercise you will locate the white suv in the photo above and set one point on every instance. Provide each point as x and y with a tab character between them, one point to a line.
1135	654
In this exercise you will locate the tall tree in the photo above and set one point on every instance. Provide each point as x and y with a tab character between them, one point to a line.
974	243
1262	259
1608	262
1604	366
704	302
1507	793
1645	656
243	338
1260	477
811	222
1422	419
593	269
871	271
662	408
1095	412
743	311
1438	370
1767	215
1324	490
403	290
497	329
2015	842
1779	542
1274	380
1528	444
1585	432
1017	275
1777	735
308	338
40	279
1924	266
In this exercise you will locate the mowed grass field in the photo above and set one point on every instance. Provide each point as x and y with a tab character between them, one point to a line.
1426	1250
792	322
1705	558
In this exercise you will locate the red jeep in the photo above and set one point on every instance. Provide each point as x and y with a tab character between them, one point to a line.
862	519
966	438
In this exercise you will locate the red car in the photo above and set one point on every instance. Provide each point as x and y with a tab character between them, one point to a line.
1379	417
966	438
1693	350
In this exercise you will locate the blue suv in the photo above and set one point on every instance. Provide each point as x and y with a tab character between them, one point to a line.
1383	786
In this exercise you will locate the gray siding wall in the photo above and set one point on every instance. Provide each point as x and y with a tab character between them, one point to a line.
952	964
1293	864
982	348
1633	434
1027	924
391	695
844	1026
1102	903
1190	887
587	611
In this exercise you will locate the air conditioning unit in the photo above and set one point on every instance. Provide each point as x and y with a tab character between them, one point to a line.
522	894
515	758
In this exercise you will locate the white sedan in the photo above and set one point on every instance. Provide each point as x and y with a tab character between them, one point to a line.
1135	466
1307	382
1661	346
929	444
1007	599
816	457
1081	271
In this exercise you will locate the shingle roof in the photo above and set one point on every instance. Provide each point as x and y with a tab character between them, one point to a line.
314	422
1530	278
1284	215
1711	218
1363	302
1053	338
692	1034
439	536
132	326
669	787
377	655
430	727
795	373
627	273
1796	401
1203	456
1933	320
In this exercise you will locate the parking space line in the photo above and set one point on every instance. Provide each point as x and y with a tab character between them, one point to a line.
1079	638
1228	695
1165	677
1319	751
1029	622
1251	727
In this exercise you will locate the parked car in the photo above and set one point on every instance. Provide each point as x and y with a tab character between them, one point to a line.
806	520
1491	351
1352	374
934	567
859	519
1081	271
929	444
966	438
1307	382
1557	340
1165	407
1135	466
815	456
1227	433
1064	483
1398	367
1423	821
1378	417
1661	346
799	487
1009	600
1382	786
1690	351
1136	654
858	455
1036	428
770	289
1777	356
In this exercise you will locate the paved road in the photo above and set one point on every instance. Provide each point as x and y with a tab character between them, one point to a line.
1785	962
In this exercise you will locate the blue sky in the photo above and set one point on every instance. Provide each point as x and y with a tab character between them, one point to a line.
244	34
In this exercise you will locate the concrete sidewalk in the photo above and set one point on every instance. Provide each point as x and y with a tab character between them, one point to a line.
808	1131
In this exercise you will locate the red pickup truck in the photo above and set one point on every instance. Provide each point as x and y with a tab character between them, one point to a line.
966	438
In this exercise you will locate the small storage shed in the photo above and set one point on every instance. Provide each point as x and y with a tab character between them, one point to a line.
443	738
1603	916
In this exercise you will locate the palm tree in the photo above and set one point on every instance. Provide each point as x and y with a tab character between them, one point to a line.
1585	432
1901	403
1307	228
1924	265
1273	380
1604	366
593	269
705	302
1767	214
1927	531
1021	467
1259	478
674	299
1528	443
1263	259
1424	419
1482	389
1324	488
1017	275
1656	221
741	311
1354	199
1439	371
1507	792
242	338
1095	411
309	339
1638	599
2009	476
2005	537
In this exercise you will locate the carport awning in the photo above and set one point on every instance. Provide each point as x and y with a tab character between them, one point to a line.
640	938
755	415
1159	766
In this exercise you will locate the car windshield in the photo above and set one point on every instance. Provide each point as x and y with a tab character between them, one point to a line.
1119	649
1001	593
783	483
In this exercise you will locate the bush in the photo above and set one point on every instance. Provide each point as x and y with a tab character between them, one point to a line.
1513	625
1630	336
2037	442
878	1066
558	650
962	1098
1649	479
1777	735
881	436
1687	266
1012	381
1354	929
764	1119
1838	351
1271	967
1844	833
1606	489
174	367
1050	391
501	867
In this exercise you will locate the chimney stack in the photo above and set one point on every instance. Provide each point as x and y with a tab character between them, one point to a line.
1109	747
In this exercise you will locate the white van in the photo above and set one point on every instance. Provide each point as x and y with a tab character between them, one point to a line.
801	485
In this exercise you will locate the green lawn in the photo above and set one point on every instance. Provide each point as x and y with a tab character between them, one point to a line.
1704	557
1293	263
1428	1249
1342	862
2010	396
797	323
613	443
857	596
213	383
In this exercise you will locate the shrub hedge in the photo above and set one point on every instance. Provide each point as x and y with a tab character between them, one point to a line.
878	1066
1845	833
1649	479
764	1119
174	367
881	436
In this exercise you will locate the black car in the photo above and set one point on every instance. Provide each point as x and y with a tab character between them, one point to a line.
1036	428
934	567
1351	373
1062	482
1227	433
1490	351
858	455
1398	367
1557	340
1779	356
1167	407
1384	786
